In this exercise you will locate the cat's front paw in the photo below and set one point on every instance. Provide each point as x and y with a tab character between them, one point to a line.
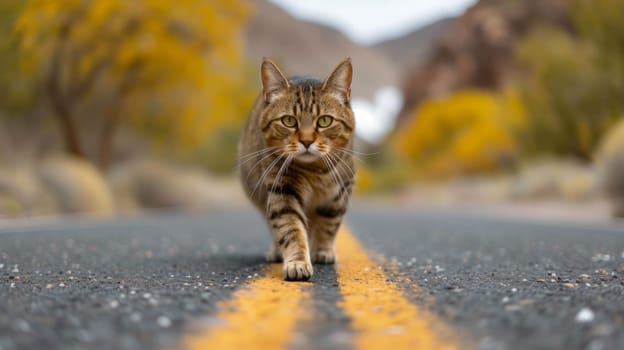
324	256
297	270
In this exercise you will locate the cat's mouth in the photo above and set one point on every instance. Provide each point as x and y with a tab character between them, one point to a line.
307	156
308	153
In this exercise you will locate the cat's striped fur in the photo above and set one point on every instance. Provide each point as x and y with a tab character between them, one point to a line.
299	172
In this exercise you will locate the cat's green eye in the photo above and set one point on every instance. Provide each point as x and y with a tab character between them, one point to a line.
324	121
289	121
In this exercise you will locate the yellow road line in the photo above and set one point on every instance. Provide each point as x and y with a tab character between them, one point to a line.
380	314
259	316
264	314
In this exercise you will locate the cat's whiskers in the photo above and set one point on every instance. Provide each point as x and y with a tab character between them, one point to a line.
261	160
247	157
344	164
278	179
351	151
266	149
332	169
343	173
265	173
354	154
328	166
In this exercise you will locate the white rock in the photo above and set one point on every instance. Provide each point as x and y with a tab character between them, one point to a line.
164	321
585	315
135	317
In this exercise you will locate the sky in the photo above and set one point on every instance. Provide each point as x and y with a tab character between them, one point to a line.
370	21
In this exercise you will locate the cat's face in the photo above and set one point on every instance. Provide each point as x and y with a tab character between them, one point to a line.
305	118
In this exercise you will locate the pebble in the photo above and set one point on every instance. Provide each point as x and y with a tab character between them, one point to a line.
569	285
513	308
23	326
585	315
601	257
163	321
114	304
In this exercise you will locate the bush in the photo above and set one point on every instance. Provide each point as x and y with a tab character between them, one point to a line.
610	160
573	87
465	133
77	186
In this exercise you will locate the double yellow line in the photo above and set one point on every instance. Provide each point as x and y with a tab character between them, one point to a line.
264	314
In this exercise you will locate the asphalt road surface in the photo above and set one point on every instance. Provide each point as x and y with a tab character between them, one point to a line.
404	280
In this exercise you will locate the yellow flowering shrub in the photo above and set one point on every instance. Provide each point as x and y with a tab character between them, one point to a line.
467	132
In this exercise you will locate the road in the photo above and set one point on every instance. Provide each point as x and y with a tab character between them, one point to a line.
405	280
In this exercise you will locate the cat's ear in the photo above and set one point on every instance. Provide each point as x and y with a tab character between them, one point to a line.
339	81
274	83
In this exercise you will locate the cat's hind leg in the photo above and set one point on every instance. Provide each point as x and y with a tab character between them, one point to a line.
325	225
274	254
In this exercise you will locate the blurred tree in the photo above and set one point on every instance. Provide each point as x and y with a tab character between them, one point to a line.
14	92
172	70
574	86
467	132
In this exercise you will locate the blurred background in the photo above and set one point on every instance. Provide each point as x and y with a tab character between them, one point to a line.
117	107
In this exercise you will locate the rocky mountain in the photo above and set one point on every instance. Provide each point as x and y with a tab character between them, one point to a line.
305	48
414	48
477	50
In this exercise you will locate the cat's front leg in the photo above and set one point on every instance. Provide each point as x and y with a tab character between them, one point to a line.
288	225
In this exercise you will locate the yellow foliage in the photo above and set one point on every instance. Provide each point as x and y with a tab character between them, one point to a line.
363	178
173	70
467	132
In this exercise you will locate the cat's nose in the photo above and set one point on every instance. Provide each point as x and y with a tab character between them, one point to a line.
306	143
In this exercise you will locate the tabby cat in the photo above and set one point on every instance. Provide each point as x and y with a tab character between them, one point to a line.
296	163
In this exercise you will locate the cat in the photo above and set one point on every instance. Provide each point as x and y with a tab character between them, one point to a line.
296	163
